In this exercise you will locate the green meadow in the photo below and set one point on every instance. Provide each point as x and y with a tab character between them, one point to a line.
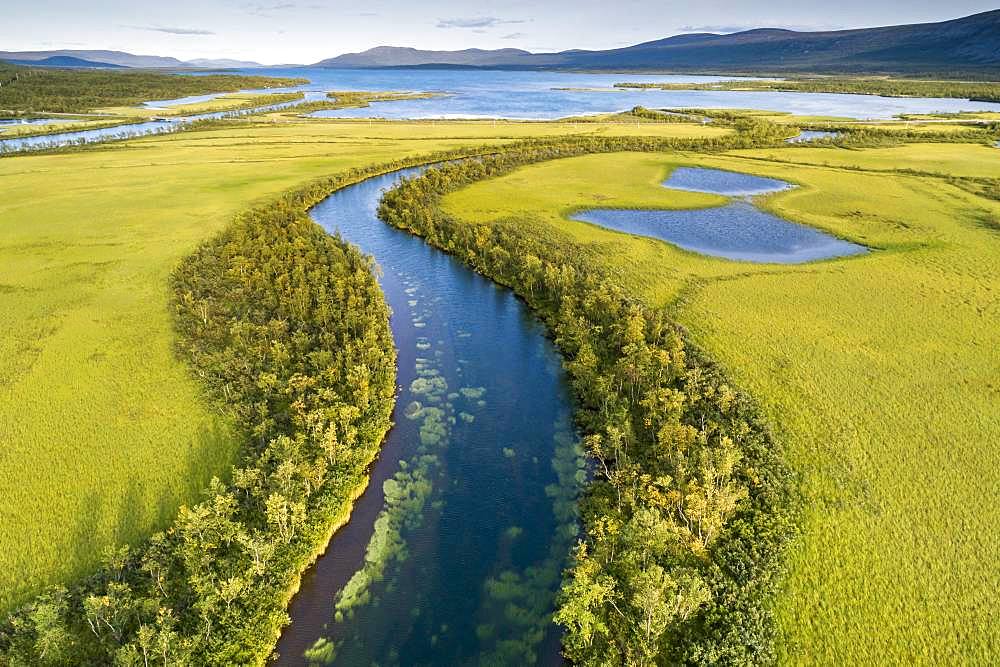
878	373
105	431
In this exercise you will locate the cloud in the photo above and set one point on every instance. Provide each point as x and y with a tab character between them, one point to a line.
172	31
763	24
714	28
481	22
514	35
258	9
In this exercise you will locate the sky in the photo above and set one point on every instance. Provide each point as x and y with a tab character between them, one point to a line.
306	31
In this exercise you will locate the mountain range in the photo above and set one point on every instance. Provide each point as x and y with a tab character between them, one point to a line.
966	45
62	61
89	58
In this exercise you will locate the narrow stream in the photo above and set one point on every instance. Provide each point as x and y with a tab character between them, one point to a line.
455	551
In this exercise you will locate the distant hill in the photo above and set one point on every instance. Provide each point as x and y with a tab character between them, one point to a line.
110	57
64	61
961	46
967	46
397	56
117	59
221	63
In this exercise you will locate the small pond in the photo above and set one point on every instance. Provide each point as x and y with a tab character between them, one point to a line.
720	182
738	230
805	136
35	121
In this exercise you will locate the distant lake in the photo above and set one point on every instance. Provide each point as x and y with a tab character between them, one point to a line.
535	95
514	95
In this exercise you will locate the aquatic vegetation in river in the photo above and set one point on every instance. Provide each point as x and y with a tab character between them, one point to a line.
525	597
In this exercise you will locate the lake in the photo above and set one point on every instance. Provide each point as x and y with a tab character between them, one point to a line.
550	95
524	95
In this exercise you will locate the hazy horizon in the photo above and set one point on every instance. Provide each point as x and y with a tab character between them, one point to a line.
305	32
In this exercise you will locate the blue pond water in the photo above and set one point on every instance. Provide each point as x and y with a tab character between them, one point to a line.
483	452
806	136
4	122
720	182
738	230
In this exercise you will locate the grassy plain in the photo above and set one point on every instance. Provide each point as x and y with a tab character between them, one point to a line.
71	125
878	372
105	433
229	102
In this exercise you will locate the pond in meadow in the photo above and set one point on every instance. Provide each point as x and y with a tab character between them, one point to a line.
738	230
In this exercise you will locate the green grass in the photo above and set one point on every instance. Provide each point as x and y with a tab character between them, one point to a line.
228	102
105	432
879	373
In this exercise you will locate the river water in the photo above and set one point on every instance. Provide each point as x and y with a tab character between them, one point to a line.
454	553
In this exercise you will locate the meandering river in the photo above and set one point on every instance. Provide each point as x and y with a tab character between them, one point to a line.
454	553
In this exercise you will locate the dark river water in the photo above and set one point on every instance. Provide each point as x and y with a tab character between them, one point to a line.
453	554
738	230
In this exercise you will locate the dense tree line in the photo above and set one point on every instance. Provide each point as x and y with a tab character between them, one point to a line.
857	135
345	99
35	89
663	116
691	507
981	91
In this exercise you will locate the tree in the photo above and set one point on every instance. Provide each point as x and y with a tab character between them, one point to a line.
53	640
